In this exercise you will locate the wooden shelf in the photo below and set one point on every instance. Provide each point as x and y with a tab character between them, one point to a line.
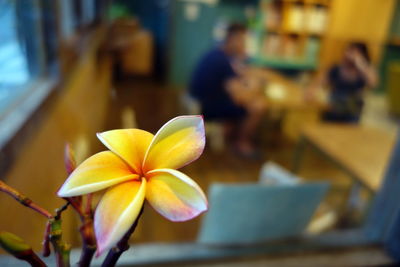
288	32
291	33
395	41
325	3
281	63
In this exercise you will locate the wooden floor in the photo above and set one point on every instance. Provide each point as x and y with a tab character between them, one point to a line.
153	104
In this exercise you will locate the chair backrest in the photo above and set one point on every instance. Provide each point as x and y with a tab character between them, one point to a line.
190	104
252	213
272	173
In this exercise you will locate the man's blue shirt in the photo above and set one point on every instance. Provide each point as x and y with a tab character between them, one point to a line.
208	85
210	76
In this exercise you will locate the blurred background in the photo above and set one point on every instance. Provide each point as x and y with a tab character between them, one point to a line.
301	100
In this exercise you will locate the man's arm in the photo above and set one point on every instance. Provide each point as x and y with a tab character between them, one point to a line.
246	93
238	91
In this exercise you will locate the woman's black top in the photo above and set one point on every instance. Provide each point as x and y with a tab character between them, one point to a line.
345	98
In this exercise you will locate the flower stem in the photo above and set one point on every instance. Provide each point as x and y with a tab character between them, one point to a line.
76	203
61	249
89	242
85	214
34	260
24	200
122	246
86	229
88	207
86	256
46	241
53	231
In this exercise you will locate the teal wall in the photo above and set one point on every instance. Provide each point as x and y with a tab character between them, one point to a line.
190	39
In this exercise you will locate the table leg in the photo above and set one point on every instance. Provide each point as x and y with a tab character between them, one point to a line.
298	155
356	207
354	201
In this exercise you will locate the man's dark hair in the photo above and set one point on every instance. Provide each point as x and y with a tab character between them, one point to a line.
235	28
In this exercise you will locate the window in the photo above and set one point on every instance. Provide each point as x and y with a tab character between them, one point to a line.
21	54
32	31
28	51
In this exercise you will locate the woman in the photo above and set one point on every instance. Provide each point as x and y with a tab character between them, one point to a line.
347	81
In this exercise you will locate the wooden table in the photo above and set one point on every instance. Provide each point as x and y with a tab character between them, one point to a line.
360	151
286	101
284	94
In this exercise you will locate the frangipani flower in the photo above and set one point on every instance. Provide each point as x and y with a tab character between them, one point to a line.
141	166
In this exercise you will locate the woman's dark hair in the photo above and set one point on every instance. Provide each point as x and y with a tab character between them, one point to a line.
362	48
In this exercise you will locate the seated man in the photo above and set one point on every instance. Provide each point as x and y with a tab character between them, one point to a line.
226	95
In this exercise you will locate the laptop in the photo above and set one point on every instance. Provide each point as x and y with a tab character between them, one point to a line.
241	214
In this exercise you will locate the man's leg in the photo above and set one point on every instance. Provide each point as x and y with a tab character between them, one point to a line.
255	113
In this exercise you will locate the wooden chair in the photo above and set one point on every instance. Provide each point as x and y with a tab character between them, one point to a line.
214	129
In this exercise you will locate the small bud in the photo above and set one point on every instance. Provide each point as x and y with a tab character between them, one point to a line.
69	159
14	244
19	249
